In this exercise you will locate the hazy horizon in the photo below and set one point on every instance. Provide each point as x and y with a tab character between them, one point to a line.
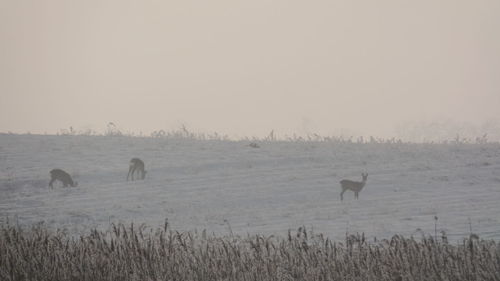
246	68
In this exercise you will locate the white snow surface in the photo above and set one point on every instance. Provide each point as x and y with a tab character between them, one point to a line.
230	187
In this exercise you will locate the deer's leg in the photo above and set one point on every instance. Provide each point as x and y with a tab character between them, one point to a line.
51	182
356	195
129	171
342	194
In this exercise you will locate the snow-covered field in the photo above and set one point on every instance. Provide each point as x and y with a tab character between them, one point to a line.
228	186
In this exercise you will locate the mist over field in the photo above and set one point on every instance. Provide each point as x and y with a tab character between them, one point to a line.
264	138
244	69
249	140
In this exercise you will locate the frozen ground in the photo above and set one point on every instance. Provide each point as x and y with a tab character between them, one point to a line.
224	186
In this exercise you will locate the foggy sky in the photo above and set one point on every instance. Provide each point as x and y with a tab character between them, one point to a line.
245	68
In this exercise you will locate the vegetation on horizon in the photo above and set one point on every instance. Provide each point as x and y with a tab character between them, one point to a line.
131	253
183	133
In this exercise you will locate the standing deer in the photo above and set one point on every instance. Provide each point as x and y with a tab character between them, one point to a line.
355	186
62	176
136	166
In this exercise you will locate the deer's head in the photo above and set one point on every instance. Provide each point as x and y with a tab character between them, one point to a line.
365	176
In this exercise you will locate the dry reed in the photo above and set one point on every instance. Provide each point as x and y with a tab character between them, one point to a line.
140	253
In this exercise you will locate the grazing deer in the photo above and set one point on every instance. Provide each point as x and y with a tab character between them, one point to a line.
355	186
62	176
136	166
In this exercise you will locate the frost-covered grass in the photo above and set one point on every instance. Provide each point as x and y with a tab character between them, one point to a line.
263	189
128	253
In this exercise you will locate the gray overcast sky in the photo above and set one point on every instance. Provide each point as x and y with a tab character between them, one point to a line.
246	67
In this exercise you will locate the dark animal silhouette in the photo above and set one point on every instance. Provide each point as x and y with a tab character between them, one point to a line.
136	165
62	176
355	186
